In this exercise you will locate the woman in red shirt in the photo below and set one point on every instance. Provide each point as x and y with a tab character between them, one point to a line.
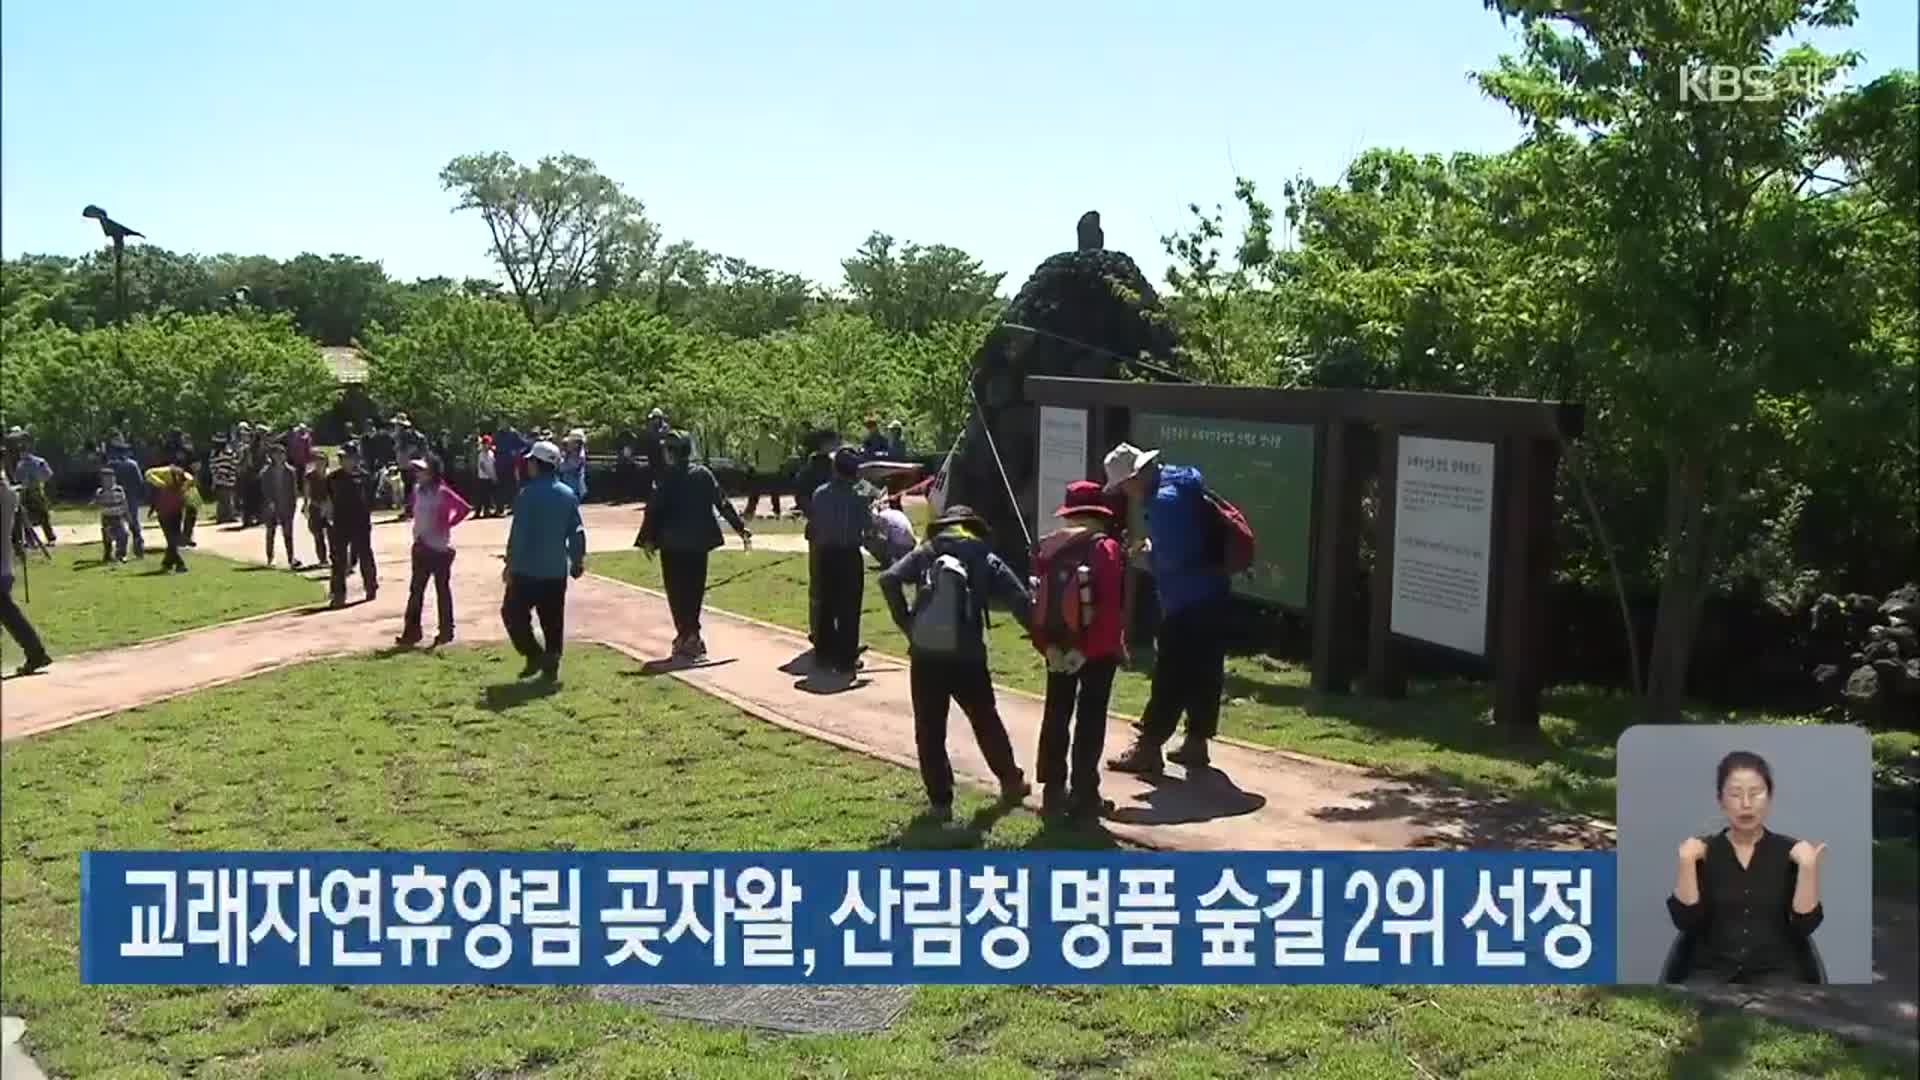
1079	592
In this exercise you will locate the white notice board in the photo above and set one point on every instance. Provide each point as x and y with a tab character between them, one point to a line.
1442	542
1062	460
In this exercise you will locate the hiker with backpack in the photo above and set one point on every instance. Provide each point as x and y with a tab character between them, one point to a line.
1195	541
958	576
1079	575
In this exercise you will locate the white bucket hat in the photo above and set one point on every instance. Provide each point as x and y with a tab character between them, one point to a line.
1125	461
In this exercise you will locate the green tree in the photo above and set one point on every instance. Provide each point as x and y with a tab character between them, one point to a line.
554	226
915	287
1691	240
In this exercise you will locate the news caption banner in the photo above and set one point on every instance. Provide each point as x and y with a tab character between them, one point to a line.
845	918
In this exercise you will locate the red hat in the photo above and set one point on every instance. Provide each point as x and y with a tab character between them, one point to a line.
1085	497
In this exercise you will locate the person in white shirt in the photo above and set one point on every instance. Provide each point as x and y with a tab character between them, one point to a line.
892	536
486	472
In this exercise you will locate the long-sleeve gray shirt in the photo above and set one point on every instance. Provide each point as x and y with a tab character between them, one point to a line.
840	516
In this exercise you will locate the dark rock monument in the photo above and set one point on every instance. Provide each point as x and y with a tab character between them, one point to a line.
1083	313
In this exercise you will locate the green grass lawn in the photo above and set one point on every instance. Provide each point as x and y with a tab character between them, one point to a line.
445	751
1444	730
79	605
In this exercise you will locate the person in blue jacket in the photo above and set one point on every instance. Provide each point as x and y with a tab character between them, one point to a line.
1183	548
546	546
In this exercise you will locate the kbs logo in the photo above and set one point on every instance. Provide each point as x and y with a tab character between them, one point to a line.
1755	82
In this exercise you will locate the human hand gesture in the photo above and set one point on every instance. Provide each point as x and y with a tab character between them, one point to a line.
577	569
1806	854
1693	849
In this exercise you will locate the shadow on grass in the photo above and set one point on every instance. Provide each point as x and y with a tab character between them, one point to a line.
1205	794
1458	718
501	697
757	568
1445	815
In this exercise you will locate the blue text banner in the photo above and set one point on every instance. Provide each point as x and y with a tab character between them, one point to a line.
970	917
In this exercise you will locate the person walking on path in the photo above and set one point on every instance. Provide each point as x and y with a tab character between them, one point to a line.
279	495
437	508
680	525
653	439
226	474
11	617
351	498
1183	544
573	463
546	545
127	472
111	500
958	576
485	481
769	463
319	506
252	458
836	532
172	487
31	475
1079	589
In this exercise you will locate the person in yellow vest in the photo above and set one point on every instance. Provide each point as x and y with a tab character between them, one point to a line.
172	488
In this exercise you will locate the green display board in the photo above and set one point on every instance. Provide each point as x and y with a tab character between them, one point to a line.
1264	469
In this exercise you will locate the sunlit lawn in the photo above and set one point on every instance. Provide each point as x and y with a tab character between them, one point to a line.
1442	730
445	751
78	604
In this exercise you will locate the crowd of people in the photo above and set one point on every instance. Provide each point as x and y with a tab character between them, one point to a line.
1076	607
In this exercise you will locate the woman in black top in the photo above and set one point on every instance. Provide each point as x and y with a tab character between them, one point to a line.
680	525
1747	897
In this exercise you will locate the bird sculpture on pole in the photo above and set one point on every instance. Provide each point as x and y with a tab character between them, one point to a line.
118	233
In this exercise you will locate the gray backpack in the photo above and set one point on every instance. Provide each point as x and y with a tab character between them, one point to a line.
945	619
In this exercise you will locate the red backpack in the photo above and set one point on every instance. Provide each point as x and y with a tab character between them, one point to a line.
1063	592
1236	535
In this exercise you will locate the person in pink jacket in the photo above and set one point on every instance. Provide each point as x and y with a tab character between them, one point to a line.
437	508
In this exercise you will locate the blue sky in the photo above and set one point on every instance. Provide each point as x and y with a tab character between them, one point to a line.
780	132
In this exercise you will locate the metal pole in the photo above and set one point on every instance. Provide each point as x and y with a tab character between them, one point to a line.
120	303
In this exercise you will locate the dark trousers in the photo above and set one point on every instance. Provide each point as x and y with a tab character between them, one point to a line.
352	547
547	597
281	521
249	501
317	528
17	626
839	582
1189	670
685	575
768	486
170	528
437	565
938	682
484	499
406	496
1076	703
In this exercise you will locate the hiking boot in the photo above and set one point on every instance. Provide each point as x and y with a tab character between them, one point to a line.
1191	752
1014	789
444	637
550	671
696	649
1053	800
1142	758
408	639
336	603
34	665
181	569
294	564
534	666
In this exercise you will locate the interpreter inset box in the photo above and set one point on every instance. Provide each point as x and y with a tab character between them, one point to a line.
1745	854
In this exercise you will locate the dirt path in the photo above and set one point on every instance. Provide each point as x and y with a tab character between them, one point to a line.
1253	798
